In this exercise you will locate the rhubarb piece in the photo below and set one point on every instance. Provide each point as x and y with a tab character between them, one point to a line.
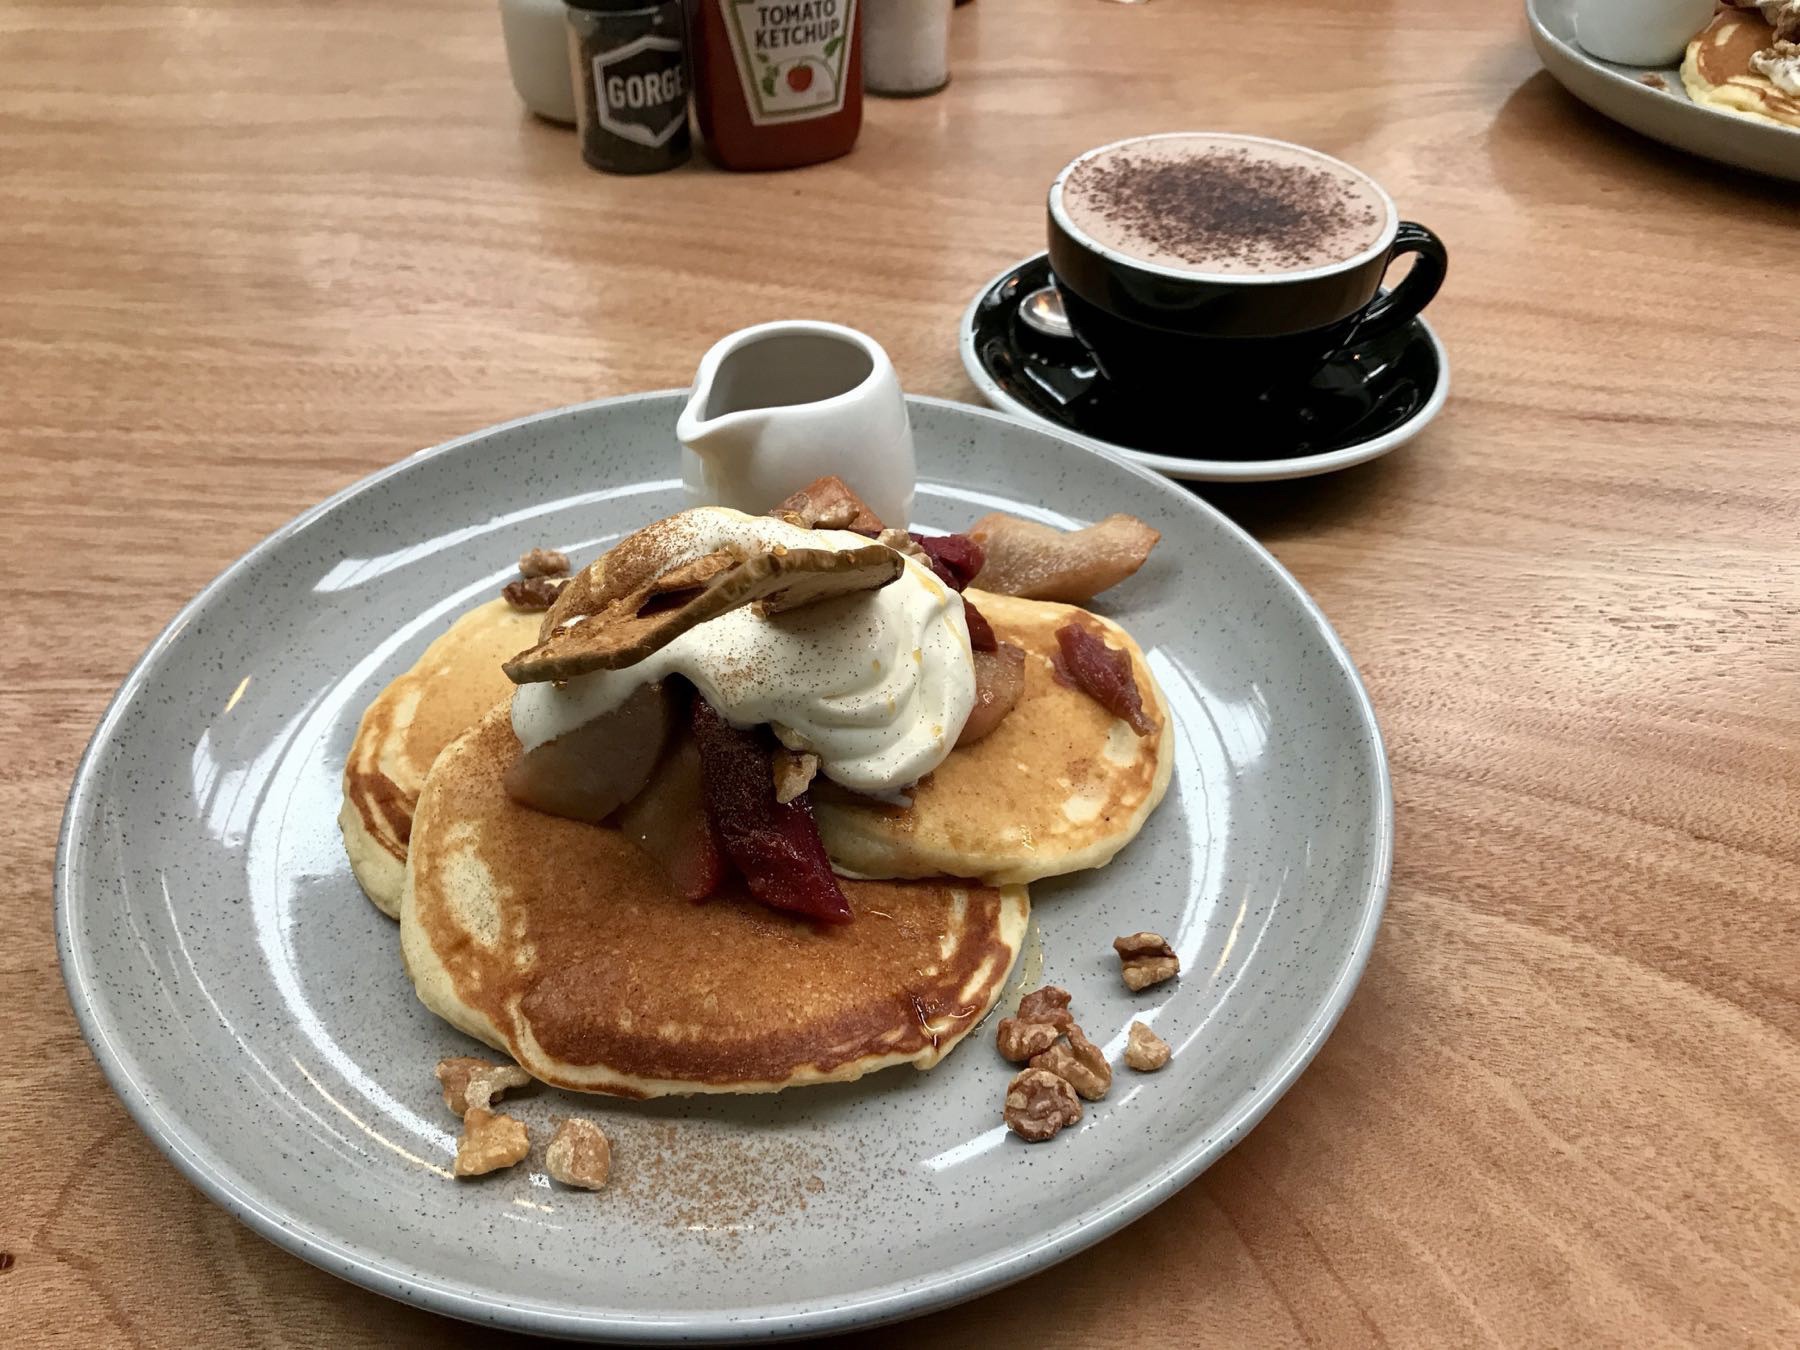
999	680
829	503
774	845
1040	562
955	558
1104	673
647	619
981	632
669	821
590	772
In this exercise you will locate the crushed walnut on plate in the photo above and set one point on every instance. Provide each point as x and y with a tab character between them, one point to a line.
1039	1104
1042	1017
1079	1062
490	1141
1145	1051
1063	1065
543	572
468	1081
1146	959
579	1155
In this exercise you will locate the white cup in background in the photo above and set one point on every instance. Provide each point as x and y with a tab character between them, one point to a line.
906	46
1639	32
536	33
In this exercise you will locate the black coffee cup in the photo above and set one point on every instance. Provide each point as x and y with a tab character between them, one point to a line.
1160	332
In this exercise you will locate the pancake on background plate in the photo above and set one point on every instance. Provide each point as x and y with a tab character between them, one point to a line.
1729	66
1060	785
562	943
455	681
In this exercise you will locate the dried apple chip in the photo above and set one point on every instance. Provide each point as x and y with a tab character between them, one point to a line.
661	609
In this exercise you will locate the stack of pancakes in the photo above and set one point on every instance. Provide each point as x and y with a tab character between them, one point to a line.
456	680
1728	63
563	944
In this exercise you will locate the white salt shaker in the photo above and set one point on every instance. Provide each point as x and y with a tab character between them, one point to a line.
537	54
906	46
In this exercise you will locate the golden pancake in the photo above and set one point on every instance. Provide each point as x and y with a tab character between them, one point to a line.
455	681
1059	786
1717	70
561	944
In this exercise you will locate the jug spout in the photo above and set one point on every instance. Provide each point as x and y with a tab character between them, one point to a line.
720	442
778	405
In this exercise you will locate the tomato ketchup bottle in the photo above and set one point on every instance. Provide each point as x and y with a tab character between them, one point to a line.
778	83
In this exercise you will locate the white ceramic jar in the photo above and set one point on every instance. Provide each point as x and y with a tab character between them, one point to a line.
906	46
780	404
1639	32
536	33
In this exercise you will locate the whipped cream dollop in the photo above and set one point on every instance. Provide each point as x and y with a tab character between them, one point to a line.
877	684
1780	65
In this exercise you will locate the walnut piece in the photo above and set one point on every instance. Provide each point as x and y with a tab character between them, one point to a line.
837	515
1049	1004
471	1082
1079	1062
489	1142
1043	1016
579	1155
793	773
1145	1051
901	541
1020	1041
544	562
829	503
1039	1104
533	593
1145	959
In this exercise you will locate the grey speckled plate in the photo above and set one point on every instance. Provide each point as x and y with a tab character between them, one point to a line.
1665	114
248	1004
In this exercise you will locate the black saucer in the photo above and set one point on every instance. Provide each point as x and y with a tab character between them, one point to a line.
1372	397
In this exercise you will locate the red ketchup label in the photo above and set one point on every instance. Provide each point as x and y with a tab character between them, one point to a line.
790	55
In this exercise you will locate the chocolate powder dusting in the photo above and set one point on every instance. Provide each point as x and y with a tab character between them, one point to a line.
1225	204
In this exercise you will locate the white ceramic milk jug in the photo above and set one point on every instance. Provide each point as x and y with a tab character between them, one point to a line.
1639	32
780	404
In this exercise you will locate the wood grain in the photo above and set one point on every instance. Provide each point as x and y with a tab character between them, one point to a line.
252	251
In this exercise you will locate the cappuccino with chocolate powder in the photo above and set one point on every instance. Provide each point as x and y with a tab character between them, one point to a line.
1224	204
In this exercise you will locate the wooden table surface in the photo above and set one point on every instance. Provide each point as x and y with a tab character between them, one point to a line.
250	252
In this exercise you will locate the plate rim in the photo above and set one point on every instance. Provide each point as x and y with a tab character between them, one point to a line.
1555	51
1180	466
235	1192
